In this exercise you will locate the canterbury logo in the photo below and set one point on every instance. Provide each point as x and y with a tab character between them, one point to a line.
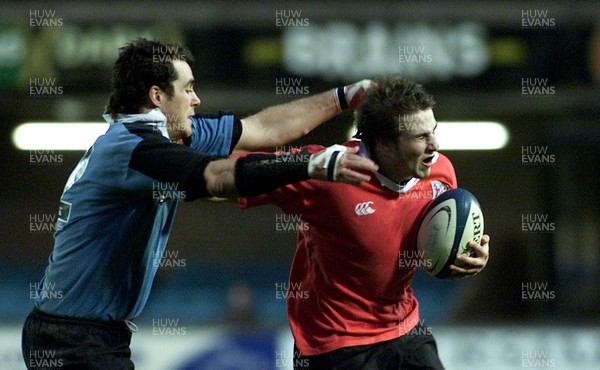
363	209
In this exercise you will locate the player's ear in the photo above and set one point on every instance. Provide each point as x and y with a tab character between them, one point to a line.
155	96
382	143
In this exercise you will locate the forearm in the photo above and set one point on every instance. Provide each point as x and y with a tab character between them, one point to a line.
261	173
254	174
281	124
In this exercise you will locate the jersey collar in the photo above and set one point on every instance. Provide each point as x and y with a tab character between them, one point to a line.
385	181
154	118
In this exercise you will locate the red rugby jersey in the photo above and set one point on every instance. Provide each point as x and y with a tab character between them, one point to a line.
350	272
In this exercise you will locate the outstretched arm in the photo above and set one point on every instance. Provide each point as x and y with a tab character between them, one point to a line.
281	124
261	173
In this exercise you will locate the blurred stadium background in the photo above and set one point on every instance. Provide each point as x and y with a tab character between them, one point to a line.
218	299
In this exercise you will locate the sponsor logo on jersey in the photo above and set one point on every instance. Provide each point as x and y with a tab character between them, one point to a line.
438	188
64	211
364	208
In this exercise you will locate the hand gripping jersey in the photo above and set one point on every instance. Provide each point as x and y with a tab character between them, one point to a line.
352	268
116	213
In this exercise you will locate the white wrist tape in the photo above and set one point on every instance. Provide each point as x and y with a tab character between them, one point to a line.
351	90
350	96
323	165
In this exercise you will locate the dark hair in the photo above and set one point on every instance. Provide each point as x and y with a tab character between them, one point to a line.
141	65
391	98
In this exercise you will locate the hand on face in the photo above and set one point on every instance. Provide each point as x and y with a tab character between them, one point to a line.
341	164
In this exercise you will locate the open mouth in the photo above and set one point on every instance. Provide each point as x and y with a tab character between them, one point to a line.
428	161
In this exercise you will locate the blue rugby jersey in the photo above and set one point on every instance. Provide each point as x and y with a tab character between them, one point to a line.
116	213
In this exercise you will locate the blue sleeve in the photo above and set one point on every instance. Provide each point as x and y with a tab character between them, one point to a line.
212	133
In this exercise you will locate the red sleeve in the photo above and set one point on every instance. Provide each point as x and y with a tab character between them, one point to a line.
443	171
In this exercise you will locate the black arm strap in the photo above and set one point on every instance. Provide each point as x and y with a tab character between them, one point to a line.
341	97
261	173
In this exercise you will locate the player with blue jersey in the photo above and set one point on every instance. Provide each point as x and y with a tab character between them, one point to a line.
118	205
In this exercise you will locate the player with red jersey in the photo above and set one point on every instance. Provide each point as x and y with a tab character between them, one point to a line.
357	244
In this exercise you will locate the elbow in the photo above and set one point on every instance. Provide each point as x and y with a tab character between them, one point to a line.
220	179
304	132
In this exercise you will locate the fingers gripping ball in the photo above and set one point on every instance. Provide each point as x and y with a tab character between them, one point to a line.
324	164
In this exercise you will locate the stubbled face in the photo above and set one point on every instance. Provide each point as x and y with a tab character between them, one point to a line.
411	154
182	104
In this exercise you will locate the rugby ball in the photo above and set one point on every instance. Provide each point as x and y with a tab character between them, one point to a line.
449	222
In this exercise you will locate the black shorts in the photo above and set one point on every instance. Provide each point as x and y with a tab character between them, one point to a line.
54	342
415	350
